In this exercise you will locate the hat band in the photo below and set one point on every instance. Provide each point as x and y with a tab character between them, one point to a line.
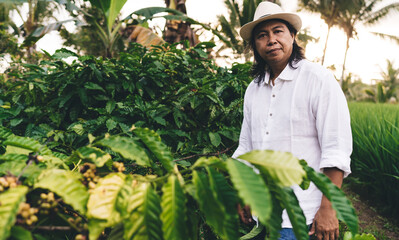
264	16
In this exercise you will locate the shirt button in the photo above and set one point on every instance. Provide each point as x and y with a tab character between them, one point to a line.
273	95
267	133
271	114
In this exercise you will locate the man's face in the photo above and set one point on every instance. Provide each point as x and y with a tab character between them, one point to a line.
274	42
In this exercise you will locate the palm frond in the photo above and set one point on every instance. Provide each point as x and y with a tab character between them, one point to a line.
375	16
387	36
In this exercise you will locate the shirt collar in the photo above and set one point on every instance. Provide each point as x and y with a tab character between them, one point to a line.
287	74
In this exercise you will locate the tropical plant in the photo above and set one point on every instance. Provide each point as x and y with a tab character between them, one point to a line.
88	194
238	16
386	88
361	11
329	10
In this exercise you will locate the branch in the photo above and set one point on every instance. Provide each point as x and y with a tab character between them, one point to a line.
54	228
206	154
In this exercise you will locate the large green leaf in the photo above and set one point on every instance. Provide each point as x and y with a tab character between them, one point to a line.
208	203
9	205
343	207
282	167
20	233
153	141
110	8
228	198
145	210
127	148
101	206
287	197
65	184
251	188
275	221
27	144
173	210
95	155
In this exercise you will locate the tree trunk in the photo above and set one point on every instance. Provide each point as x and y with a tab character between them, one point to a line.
343	66
175	30
325	45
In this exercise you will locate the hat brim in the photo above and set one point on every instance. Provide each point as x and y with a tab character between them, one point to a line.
293	19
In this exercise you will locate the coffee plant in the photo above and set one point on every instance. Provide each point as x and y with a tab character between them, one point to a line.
88	195
194	105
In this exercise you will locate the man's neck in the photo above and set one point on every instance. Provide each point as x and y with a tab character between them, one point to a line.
275	71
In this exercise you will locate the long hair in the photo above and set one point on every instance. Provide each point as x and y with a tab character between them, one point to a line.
260	67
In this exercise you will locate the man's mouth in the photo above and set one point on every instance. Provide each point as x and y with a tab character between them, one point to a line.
273	50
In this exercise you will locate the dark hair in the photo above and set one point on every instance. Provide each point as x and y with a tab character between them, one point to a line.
260	67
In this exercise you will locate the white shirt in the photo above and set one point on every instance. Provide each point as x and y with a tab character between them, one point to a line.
304	113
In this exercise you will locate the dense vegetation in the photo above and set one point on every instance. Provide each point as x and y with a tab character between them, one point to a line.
91	168
375	157
194	105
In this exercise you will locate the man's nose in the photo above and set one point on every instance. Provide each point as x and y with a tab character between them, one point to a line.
271	40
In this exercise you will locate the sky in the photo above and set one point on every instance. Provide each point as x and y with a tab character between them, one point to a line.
367	54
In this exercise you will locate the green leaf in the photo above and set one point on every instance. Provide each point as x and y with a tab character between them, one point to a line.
208	204
145	209
93	86
215	139
342	206
65	184
110	106
20	233
63	53
210	161
111	124
95	155
294	211
110	8
251	188
153	141
228	198
10	201
173	210
282	167
127	148
256	230
5	133
28	144
101	206
275	221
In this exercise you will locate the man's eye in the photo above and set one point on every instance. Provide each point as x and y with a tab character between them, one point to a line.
261	36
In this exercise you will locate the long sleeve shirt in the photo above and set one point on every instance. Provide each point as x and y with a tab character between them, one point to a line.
304	113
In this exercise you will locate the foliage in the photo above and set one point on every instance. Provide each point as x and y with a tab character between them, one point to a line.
82	198
375	151
194	105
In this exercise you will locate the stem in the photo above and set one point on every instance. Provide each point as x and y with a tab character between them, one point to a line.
325	45
206	154
343	66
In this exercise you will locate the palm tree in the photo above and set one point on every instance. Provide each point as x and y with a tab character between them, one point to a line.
237	18
329	10
361	11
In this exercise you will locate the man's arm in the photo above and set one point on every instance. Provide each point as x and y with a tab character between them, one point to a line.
325	224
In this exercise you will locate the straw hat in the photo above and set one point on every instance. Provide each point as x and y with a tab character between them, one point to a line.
266	11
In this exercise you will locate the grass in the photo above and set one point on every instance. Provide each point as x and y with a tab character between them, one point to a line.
375	158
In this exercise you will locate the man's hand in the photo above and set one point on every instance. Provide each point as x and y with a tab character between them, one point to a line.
325	223
245	214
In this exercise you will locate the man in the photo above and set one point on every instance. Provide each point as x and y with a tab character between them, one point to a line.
295	106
